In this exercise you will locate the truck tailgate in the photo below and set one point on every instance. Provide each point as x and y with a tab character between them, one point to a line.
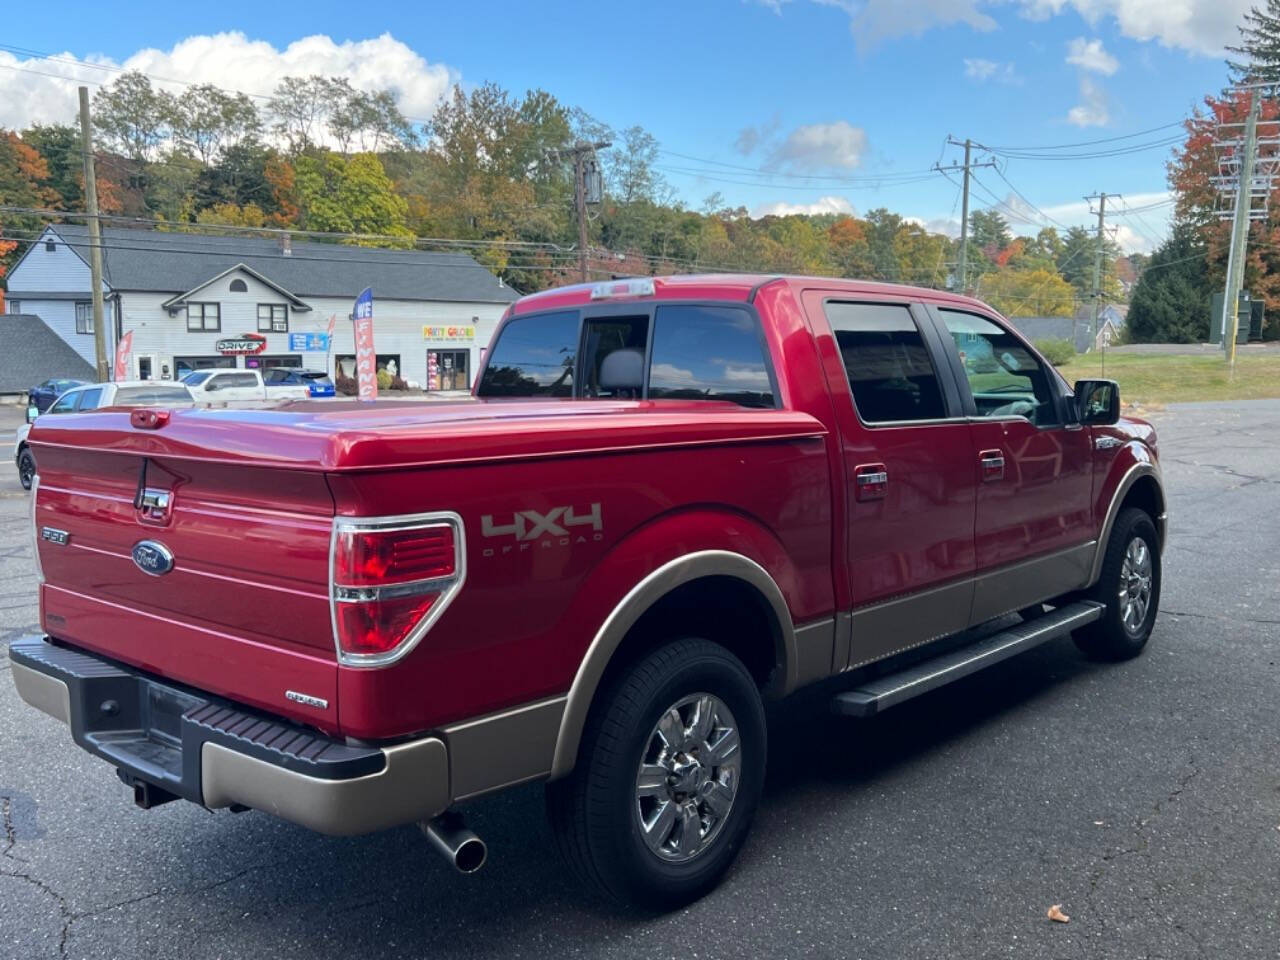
244	610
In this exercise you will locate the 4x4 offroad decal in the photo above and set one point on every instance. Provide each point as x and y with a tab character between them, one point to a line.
555	528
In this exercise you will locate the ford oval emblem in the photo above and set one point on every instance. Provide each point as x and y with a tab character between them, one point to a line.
152	557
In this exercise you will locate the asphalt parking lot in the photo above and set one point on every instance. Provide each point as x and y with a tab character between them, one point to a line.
1143	797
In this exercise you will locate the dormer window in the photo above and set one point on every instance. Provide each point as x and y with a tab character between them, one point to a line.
239	286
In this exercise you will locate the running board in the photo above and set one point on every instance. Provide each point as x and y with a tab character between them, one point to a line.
884	692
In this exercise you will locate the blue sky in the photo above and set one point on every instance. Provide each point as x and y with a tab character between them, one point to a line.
784	104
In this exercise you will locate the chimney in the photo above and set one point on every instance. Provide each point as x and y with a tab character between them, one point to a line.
286	245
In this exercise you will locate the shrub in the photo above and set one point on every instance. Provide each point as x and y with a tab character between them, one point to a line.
346	386
1056	352
384	380
398	383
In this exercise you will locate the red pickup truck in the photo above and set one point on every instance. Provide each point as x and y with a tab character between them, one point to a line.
669	502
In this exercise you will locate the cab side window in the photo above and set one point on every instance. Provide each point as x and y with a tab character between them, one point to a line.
1006	379
66	403
89	399
534	356
887	363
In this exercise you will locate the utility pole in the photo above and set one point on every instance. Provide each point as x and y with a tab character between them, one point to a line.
1097	262
579	153
964	203
1240	230
95	236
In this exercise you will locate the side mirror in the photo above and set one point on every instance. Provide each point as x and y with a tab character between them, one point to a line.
210	387
32	412
1097	402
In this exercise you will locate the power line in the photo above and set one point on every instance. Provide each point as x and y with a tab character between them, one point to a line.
1091	143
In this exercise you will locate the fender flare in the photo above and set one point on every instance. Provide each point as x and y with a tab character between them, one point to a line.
1143	468
656	585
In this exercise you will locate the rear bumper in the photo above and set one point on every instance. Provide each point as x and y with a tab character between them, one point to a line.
218	754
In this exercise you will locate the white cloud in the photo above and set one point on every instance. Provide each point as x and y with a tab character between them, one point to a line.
233	61
1093	110
980	70
831	204
1089	55
950	226
1199	26
820	145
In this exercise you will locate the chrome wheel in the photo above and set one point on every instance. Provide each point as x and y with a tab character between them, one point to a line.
688	777
1135	585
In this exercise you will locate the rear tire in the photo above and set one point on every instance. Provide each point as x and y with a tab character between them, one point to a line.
668	777
1128	587
26	468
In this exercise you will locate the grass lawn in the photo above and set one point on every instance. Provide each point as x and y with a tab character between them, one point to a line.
1157	378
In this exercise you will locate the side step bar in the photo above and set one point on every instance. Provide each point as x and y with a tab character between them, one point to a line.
884	692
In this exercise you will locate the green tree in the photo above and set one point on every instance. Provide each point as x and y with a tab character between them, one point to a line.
132	117
299	109
206	120
59	145
1076	262
989	231
350	195
238	177
1029	293
1259	50
1170	303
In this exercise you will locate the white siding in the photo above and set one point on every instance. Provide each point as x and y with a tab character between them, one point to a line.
60	271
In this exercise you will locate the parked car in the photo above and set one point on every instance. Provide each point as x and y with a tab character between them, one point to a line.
95	396
43	394
669	501
317	382
222	385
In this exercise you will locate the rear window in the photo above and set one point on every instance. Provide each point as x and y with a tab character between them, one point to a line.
140	396
534	357
886	361
709	353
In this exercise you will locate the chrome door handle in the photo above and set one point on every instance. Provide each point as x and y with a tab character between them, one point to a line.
992	464
871	481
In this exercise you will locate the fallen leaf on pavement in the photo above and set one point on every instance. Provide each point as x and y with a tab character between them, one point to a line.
1056	914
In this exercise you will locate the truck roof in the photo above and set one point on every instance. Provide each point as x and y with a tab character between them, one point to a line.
728	286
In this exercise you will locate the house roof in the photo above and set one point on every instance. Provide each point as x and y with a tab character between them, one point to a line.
174	263
238	268
1054	328
34	353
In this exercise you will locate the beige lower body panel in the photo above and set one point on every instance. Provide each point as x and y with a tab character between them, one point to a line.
895	626
503	749
1031	581
414	785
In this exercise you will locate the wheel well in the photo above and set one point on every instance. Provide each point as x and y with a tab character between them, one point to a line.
724	610
1146	496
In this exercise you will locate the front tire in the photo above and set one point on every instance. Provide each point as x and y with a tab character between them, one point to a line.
26	468
668	777
1128	587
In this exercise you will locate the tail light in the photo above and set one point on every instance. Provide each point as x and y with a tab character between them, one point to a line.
390	580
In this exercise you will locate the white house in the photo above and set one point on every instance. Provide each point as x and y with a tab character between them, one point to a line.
191	301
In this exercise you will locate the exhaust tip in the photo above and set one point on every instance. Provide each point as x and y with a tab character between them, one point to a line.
450	837
471	856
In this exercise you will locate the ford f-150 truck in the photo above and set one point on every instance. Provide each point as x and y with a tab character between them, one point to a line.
669	502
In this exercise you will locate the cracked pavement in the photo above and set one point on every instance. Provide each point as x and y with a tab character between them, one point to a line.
1144	797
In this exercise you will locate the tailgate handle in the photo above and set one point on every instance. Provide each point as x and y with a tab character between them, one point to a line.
154	501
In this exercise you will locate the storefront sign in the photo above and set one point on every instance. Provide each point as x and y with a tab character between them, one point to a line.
303	342
448	333
366	359
243	345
